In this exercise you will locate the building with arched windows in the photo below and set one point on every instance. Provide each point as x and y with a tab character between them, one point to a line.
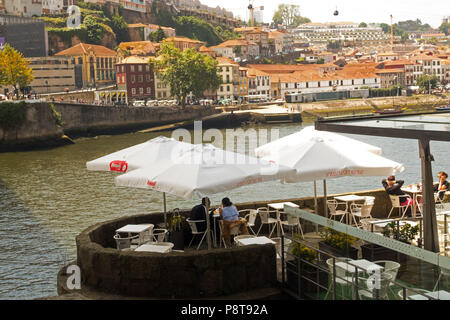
98	63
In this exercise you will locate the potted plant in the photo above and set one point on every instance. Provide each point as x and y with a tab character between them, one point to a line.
309	269
337	244
405	233
176	234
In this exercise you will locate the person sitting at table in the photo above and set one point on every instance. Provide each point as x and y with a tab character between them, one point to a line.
394	187
230	219
441	186
199	213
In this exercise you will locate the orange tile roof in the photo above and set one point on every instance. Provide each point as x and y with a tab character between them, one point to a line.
84	48
236	42
381	71
182	39
139	47
225	60
135	60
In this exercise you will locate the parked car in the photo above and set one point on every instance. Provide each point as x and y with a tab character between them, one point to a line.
3	97
139	103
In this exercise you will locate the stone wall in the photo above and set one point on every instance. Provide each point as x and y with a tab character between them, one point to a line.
180	275
39	129
82	119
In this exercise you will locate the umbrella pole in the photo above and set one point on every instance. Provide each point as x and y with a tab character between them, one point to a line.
325	206
165	209
208	226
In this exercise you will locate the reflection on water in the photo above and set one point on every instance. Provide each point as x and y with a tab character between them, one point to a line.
48	197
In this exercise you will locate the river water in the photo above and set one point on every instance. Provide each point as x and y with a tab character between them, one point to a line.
48	197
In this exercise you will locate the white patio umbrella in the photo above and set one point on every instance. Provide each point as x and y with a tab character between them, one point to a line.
147	153
318	155
202	171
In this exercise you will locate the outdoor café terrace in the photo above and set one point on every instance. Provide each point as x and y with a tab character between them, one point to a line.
364	245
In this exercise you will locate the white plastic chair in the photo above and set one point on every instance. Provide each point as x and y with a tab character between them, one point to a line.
250	215
194	230
332	207
412	292
125	243
146	236
395	201
264	215
292	222
341	275
159	235
361	211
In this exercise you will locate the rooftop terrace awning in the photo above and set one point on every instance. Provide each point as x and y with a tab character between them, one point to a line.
422	127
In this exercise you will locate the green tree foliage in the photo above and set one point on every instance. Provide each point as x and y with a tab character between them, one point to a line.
427	82
94	30
14	68
120	28
186	71
363	25
289	15
158	35
334	45
404	28
444	27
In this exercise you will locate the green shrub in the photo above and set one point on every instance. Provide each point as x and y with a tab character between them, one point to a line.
404	233
337	239
302	251
56	115
12	114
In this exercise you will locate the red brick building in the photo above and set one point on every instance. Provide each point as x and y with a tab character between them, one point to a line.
136	76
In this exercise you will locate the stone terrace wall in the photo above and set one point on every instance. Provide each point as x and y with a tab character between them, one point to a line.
194	274
80	119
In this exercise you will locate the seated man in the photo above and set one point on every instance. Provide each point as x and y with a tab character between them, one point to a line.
199	213
393	187
230	219
441	187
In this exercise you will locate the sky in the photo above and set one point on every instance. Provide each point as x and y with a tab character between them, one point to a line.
428	11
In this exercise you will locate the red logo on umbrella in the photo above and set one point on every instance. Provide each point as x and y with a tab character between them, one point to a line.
119	166
151	183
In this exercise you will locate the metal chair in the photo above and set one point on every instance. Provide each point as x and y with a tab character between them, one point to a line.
371	293
444	273
369	200
125	243
332	207
341	275
159	235
390	267
194	230
264	215
361	211
292	222
250	215
395	201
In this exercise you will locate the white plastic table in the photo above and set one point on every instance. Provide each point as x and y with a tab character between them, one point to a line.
159	248
280	206
135	229
385	222
255	240
351	198
441	295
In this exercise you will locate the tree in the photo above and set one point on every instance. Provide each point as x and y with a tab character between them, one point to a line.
120	28
186	71
289	15
363	25
158	35
94	30
427	82
14	69
444	27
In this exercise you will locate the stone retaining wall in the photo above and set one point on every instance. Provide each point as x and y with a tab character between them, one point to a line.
192	274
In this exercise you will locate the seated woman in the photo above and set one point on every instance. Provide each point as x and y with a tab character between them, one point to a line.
394	187
230	219
442	186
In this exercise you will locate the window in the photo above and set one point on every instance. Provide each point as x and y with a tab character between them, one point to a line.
148	90
133	79
147	68
147	78
133	91
228	88
318	84
123	79
140	68
123	68
164	94
141	90
140	78
132	68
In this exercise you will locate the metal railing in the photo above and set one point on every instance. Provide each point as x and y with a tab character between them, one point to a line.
321	279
